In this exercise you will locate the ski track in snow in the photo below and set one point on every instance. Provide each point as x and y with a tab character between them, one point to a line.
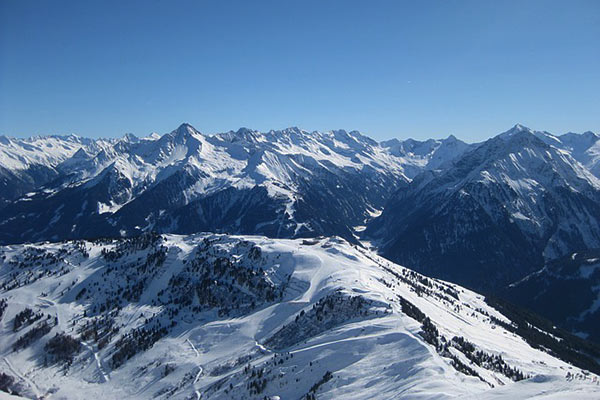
98	361
200	369
29	382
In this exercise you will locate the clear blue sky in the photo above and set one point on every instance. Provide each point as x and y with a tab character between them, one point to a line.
387	68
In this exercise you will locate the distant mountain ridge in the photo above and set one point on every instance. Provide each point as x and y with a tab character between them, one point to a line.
494	214
28	164
288	183
292	183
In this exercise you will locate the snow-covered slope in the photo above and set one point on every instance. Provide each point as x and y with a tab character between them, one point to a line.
27	164
584	147
494	214
418	156
20	154
219	317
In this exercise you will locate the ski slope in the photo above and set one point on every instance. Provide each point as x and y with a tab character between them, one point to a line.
249	317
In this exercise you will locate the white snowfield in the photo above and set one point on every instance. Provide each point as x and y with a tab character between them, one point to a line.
49	151
7	396
334	328
17	154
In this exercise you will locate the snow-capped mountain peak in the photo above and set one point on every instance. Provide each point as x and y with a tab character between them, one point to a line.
186	129
130	137
294	169
505	193
516	129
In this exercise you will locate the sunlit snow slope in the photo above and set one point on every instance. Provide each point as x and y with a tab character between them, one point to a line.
219	317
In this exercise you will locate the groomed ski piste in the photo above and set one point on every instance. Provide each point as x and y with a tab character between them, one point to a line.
211	316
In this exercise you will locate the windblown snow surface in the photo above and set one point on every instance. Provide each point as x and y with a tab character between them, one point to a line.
243	317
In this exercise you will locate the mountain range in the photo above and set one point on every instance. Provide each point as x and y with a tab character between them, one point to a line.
289	183
516	217
495	214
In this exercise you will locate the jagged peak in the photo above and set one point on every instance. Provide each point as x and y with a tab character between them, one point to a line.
243	134
185	125
130	137
244	130
518	128
514	140
451	139
521	128
390	142
293	130
363	138
80	153
67	138
152	136
353	135
587	135
182	134
185	129
520	135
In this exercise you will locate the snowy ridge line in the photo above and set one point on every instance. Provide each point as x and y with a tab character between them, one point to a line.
273	317
527	199
184	179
